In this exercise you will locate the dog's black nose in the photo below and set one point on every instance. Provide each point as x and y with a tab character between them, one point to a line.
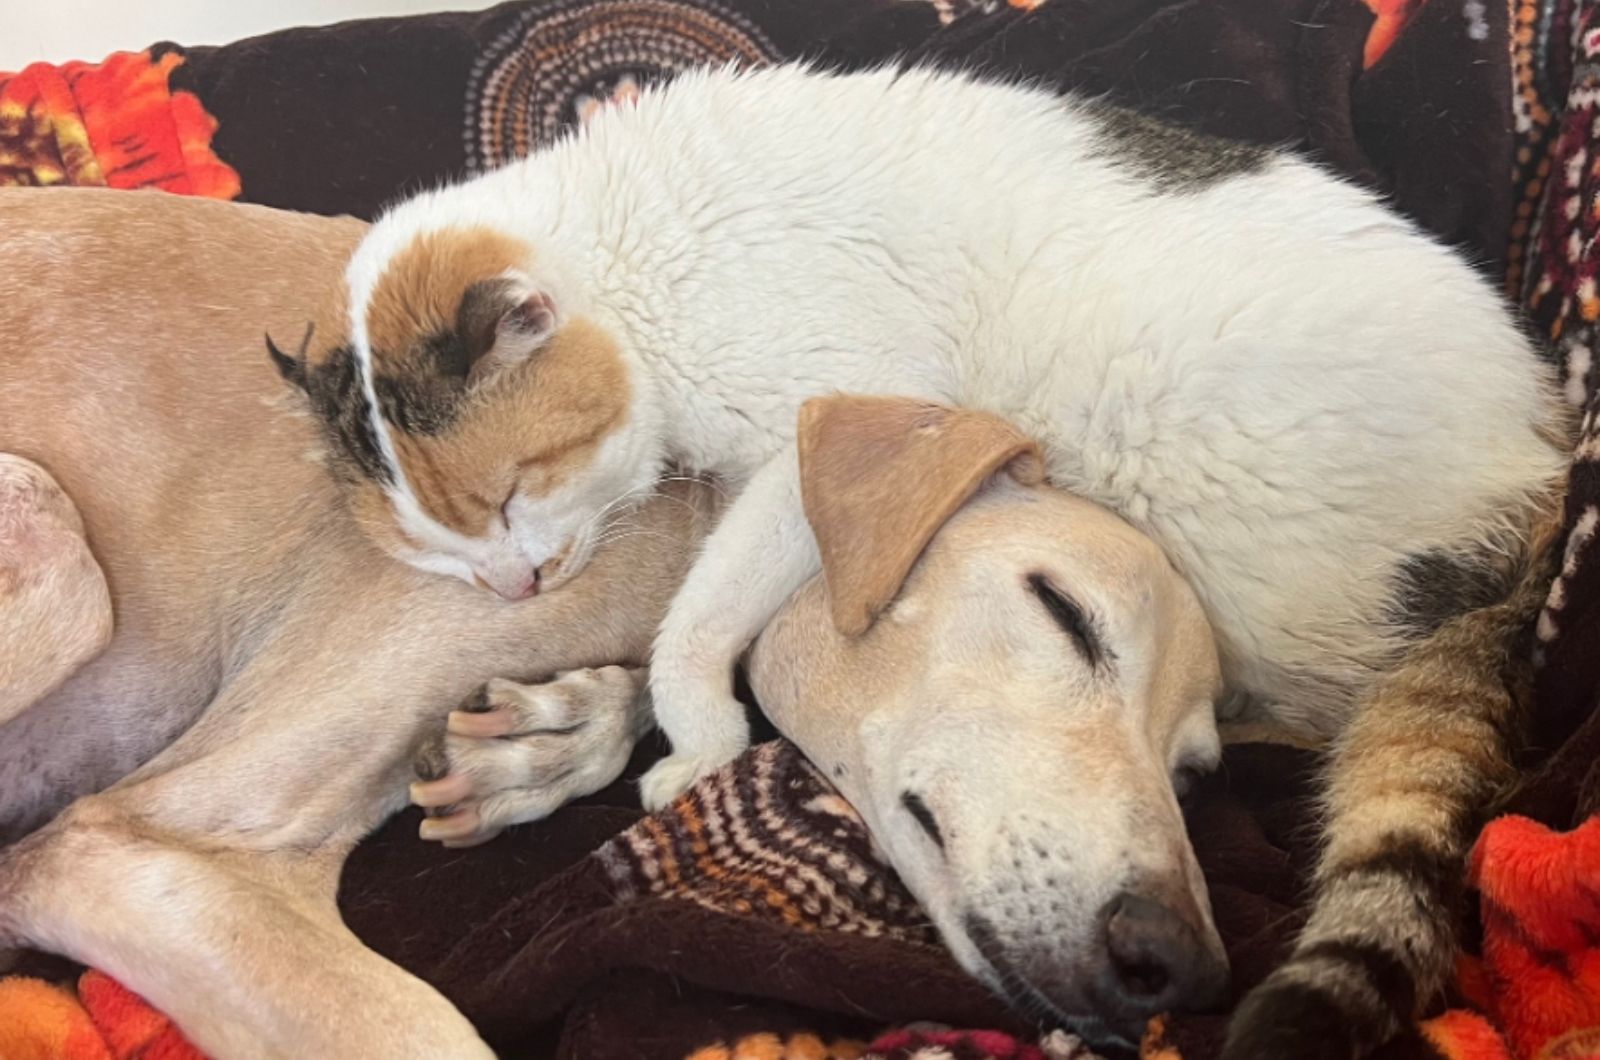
1158	960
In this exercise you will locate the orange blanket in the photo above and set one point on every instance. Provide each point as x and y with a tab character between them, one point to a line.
103	1021
1536	987
113	124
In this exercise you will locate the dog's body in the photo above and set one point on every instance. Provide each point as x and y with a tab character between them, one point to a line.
1322	415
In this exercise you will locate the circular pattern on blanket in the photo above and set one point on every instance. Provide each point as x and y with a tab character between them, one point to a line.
557	58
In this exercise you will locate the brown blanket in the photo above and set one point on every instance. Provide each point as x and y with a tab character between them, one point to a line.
559	939
343	120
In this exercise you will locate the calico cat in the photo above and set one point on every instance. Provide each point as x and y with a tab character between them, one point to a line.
1329	421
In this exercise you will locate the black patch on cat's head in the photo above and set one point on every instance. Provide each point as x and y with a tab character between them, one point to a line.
423	395
422	389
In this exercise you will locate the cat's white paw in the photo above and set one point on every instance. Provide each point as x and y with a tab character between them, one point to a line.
672	776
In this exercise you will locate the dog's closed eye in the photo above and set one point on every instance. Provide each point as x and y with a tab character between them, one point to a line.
923	816
1071	618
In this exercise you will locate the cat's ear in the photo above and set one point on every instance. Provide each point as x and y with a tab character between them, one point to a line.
292	366
503	322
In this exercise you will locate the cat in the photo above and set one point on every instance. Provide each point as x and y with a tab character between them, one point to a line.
1330	422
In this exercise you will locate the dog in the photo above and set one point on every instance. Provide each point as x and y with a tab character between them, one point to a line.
179	805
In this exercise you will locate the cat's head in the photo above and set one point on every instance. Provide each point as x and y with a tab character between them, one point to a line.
481	427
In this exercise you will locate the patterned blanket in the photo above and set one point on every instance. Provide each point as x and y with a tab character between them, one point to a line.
754	921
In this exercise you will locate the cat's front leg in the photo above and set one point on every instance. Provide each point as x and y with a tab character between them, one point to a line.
759	554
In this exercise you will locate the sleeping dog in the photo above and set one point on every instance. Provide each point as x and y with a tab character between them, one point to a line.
179	796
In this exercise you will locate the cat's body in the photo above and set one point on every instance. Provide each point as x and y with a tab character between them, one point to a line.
1314	408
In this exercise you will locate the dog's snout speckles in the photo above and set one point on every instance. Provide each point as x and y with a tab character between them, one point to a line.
923	816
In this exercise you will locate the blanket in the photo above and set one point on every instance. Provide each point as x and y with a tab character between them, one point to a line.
599	933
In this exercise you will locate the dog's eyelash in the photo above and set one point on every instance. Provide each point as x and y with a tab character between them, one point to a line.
1071	618
923	816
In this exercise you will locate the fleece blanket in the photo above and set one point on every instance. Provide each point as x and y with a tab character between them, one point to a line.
600	934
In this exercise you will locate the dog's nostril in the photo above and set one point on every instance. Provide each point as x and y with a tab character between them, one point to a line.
1140	977
923	816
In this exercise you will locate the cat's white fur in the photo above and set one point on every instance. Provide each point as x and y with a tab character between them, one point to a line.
1291	388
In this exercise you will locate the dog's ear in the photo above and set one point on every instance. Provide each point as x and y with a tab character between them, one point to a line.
879	477
502	322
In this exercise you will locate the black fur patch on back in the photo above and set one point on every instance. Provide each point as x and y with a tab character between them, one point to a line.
340	403
1173	158
1432	587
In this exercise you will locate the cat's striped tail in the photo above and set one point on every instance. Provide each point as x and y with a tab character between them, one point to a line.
1410	784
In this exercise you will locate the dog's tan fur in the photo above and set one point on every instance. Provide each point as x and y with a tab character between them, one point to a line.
1050	787
270	672
55	607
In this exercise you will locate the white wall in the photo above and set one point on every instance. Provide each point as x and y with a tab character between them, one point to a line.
58	30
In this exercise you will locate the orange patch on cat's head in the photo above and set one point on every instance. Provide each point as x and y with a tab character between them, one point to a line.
419	294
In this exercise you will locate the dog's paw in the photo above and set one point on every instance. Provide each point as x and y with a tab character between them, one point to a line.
674	775
513	753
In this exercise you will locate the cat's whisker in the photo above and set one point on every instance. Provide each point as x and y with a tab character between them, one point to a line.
712	482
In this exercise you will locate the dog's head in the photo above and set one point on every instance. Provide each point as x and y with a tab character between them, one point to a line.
1013	687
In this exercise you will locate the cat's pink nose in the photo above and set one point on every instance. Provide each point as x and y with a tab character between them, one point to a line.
517	587
521	591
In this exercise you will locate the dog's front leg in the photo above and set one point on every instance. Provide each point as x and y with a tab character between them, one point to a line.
761	552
